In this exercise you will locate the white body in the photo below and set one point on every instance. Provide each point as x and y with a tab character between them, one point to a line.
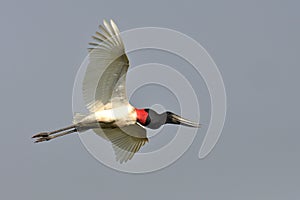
120	116
107	117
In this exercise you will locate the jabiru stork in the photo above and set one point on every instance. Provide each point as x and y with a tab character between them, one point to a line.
111	116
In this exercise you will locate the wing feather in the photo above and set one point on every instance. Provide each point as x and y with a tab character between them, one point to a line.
107	66
116	31
103	39
110	31
126	141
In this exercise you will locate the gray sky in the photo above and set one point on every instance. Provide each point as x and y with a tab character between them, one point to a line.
255	45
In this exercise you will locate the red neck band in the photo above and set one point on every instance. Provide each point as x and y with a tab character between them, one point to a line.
141	115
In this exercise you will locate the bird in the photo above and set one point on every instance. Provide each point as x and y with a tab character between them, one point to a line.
111	115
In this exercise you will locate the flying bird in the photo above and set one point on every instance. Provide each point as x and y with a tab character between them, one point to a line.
111	116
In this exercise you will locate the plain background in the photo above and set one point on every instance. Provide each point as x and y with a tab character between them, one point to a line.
256	47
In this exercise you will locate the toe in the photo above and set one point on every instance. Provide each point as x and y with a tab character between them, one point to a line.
43	134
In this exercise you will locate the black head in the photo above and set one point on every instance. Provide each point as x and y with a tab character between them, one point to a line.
155	120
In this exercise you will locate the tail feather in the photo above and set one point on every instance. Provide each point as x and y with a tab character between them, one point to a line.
78	117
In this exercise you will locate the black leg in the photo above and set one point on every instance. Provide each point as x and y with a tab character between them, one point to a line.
50	137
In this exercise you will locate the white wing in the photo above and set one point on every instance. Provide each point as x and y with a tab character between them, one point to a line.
107	67
105	77
124	145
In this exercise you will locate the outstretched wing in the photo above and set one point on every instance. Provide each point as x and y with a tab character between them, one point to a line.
126	141
107	67
105	78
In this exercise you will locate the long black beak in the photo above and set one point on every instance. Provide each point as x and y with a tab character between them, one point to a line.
175	119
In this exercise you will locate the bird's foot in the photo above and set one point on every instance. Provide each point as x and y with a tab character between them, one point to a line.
41	137
42	134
